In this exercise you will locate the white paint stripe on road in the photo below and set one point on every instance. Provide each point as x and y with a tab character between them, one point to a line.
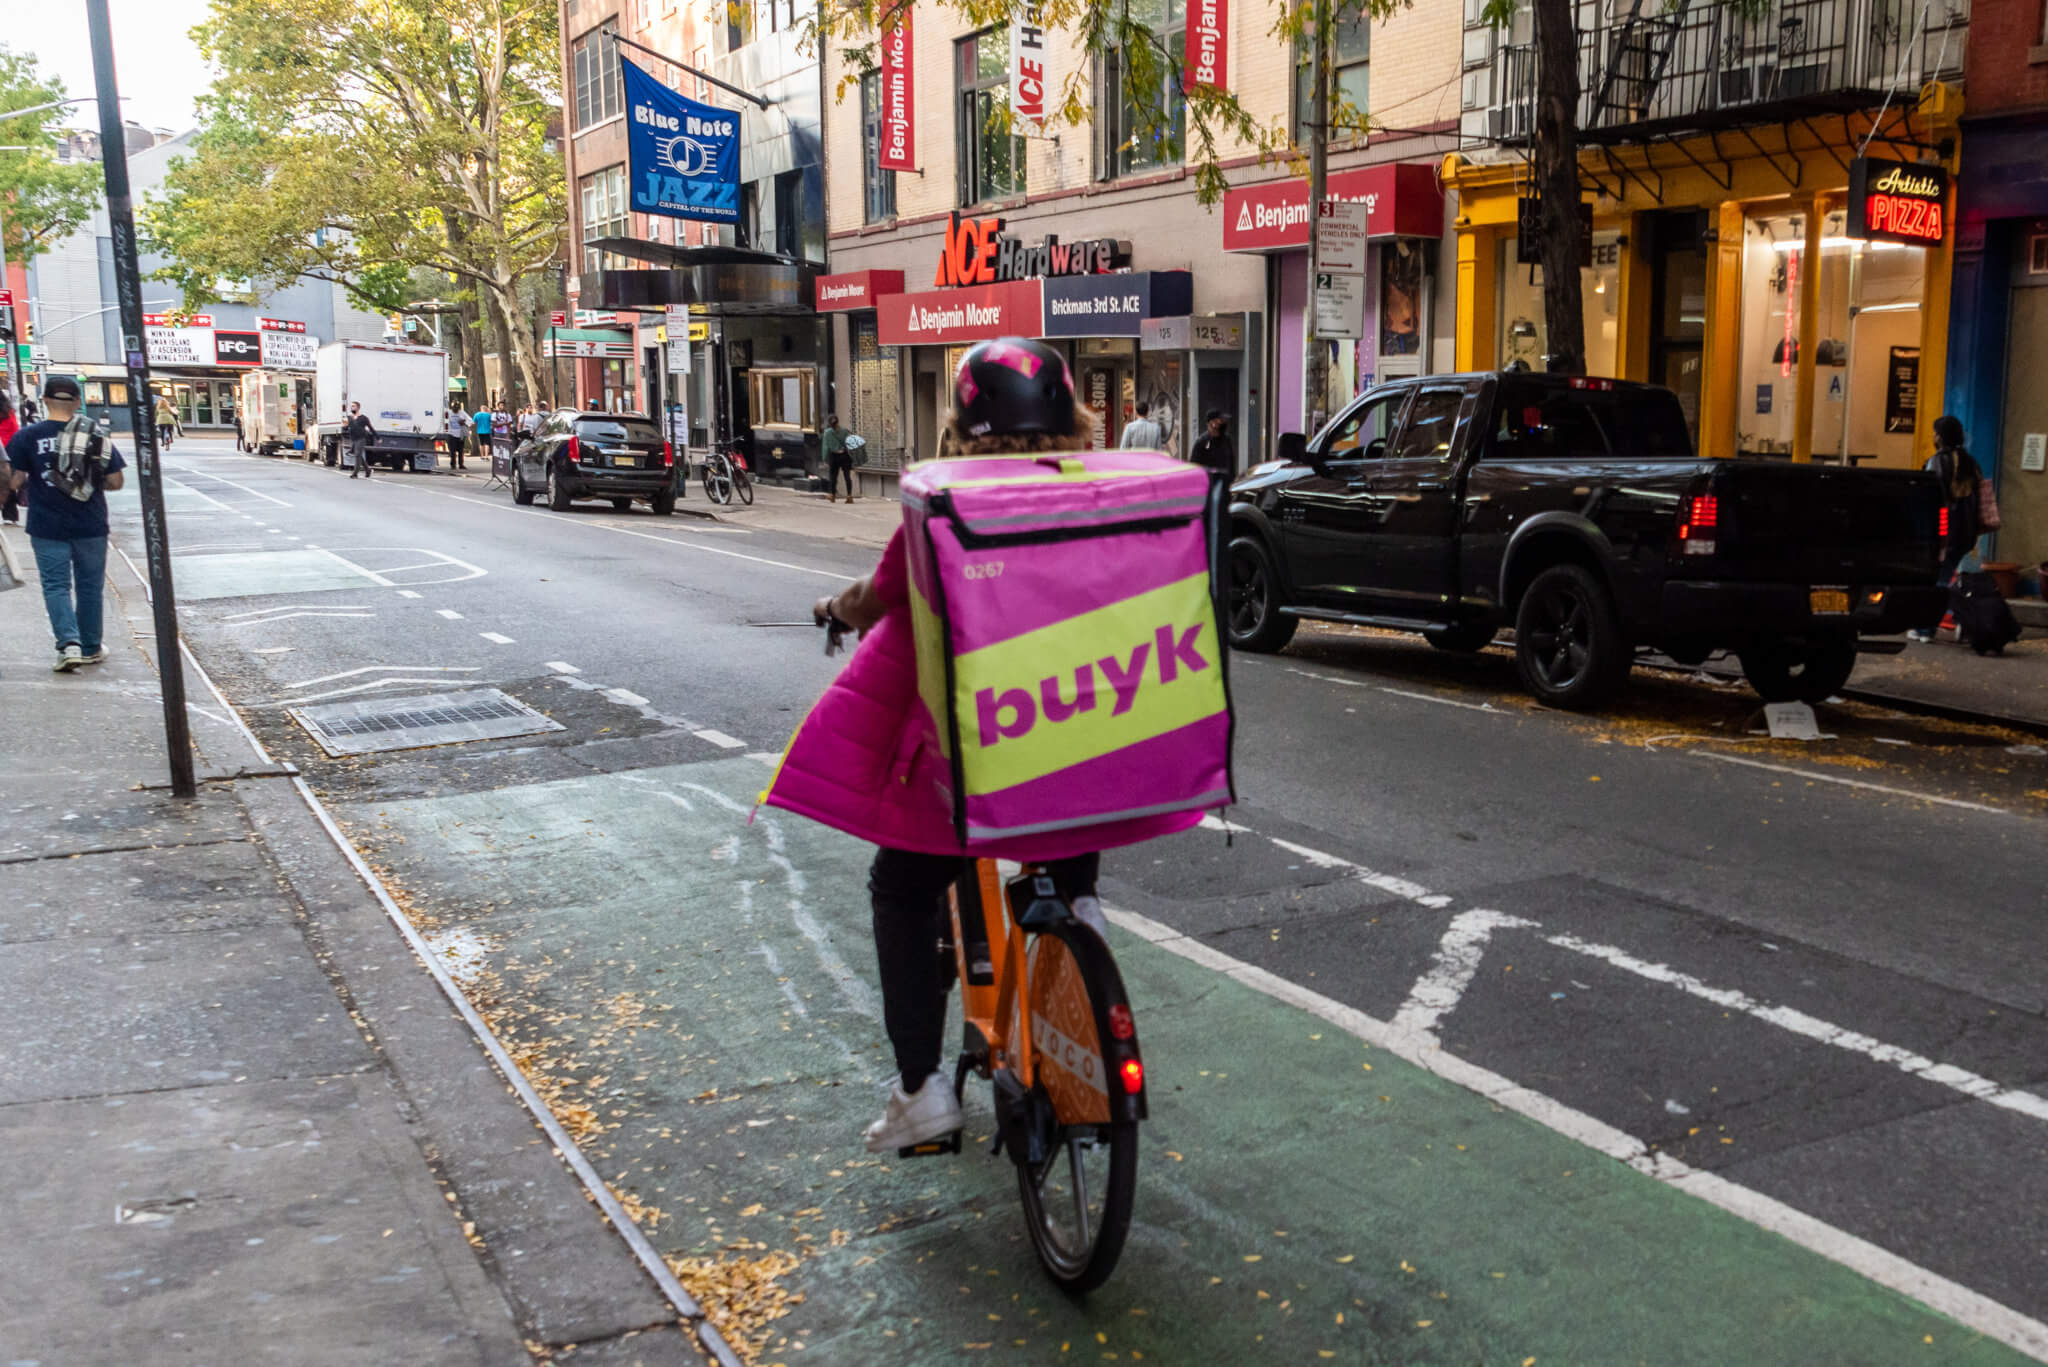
720	739
325	607
368	574
183	487
358	688
287	616
1799	1023
379	669
563	667
496	638
1969	1308
1432	697
767	757
626	696
1851	782
450	613
1386	882
407	593
1437	992
204	474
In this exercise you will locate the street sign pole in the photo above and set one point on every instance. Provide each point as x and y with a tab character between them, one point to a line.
128	289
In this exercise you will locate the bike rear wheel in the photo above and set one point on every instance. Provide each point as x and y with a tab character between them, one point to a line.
1078	1200
744	484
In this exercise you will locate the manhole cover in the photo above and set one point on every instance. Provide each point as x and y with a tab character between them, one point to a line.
356	728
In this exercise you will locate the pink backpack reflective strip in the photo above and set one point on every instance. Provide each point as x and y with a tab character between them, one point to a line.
1070	654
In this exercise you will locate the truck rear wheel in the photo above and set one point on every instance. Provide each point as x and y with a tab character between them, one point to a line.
1780	672
1255	620
1569	648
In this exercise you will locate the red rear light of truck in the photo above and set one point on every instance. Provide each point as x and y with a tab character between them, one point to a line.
668	454
1698	520
574	450
1941	528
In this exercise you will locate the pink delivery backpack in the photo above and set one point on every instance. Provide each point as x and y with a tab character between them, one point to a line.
1070	651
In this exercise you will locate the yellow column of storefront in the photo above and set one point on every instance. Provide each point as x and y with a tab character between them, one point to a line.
1809	332
1478	290
1934	301
1638	279
1721	354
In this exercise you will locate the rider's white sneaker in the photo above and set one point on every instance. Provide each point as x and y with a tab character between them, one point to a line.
1088	911
931	1112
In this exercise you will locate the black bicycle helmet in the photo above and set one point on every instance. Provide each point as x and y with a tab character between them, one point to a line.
1014	384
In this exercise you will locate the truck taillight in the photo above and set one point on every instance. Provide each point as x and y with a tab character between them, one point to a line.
574	450
668	454
1942	527
1697	522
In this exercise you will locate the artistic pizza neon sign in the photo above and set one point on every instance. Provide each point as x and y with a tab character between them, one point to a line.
1895	201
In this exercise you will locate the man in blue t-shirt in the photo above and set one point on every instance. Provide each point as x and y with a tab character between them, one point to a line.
69	534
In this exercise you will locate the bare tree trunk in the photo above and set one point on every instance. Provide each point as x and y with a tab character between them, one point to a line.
1557	182
495	332
472	350
521	357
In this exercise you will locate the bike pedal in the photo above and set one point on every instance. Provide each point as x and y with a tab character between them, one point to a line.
945	1143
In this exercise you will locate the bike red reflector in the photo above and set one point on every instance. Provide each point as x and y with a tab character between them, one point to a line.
668	453
1120	1024
1944	522
575	451
1706	511
1132	1071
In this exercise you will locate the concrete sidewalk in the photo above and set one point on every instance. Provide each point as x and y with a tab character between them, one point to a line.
1947	678
864	522
242	1124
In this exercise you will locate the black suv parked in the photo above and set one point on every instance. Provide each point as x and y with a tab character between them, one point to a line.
619	456
1575	511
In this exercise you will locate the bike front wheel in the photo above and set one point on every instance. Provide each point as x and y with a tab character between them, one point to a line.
718	480
1078	1198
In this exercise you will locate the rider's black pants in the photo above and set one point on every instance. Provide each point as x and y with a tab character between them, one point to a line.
909	892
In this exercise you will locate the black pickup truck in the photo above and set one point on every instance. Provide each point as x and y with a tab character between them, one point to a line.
1575	511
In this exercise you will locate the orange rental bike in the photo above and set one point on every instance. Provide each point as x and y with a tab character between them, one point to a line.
1048	1024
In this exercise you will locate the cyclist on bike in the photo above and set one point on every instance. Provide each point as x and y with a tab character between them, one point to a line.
858	764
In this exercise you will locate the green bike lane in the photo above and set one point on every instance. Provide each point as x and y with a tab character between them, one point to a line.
694	996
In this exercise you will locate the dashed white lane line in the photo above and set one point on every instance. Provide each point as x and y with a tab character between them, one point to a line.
1853	783
767	757
625	696
1385	882
497	638
450	613
720	739
1959	1302
408	593
563	667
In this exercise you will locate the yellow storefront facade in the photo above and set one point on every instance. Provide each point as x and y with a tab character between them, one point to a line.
1722	267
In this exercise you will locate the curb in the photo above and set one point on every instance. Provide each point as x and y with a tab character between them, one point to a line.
1913	706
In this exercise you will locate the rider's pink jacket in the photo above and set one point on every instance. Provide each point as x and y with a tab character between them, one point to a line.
866	760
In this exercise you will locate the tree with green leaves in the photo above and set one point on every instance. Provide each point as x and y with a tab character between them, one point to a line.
44	199
357	140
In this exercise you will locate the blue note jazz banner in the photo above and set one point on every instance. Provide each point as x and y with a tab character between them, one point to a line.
683	157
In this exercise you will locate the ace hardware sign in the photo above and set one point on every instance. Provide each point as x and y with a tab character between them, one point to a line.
1898	201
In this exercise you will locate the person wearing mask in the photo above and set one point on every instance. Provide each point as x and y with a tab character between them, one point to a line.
1141	433
10	503
68	471
166	419
355	435
837	462
458	433
1213	449
1960	475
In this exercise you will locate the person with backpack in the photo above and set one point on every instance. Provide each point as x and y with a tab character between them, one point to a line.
67	465
355	436
854	763
837	461
1979	612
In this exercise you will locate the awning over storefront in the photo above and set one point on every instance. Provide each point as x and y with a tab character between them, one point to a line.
1114	304
721	280
1402	199
856	289
569	342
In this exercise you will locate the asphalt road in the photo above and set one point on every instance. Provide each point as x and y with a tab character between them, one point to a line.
1804	980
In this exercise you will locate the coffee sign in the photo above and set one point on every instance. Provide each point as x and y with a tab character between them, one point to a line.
1898	201
976	251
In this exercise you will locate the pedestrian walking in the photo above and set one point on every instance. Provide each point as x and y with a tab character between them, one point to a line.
67	468
480	424
1141	433
10	502
355	436
529	421
1214	448
837	461
1961	480
166	418
241	444
29	412
458	431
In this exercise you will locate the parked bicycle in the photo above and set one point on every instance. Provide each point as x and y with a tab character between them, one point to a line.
725	473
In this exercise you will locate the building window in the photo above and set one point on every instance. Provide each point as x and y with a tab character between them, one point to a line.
789	203
781	15
596	66
991	158
701	60
1349	64
1147	123
739	24
643	13
881	185
605	214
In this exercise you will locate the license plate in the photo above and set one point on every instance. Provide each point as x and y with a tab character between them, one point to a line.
626	462
1828	600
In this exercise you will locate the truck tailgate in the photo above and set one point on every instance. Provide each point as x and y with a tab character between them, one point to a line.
1822	524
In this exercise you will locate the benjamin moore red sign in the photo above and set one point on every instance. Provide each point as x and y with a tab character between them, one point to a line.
971	314
1897	201
898	151
1208	44
856	289
280	325
1401	200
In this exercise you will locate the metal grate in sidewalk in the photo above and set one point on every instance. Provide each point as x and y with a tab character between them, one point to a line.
375	724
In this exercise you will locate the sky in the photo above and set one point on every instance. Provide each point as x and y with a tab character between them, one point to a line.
159	69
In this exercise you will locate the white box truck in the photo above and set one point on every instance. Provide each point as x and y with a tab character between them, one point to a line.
404	393
270	418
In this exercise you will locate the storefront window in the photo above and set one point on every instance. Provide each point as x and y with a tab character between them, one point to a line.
1147	127
1866	362
876	409
1161	384
1524	338
1350	63
991	157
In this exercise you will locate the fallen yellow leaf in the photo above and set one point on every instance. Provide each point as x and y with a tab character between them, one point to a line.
1347	1257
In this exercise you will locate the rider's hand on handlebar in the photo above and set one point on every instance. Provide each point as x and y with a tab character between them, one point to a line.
821	611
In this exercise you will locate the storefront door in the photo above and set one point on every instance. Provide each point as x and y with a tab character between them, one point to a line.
2023	488
1678	306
